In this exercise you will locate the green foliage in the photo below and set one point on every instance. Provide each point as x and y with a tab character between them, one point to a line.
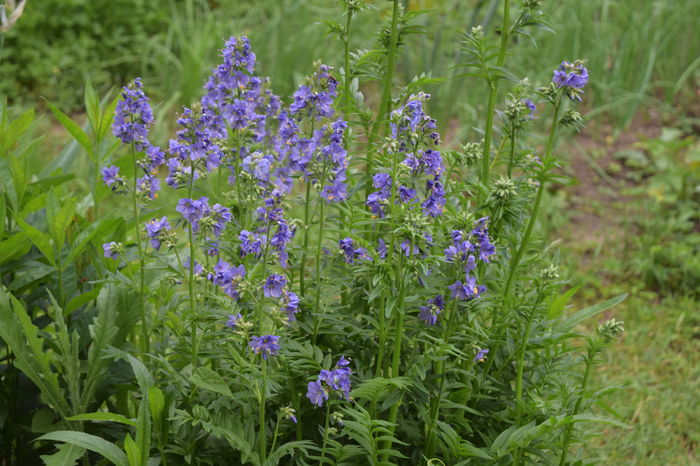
58	45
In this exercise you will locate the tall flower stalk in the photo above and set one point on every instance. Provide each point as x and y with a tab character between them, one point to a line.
132	122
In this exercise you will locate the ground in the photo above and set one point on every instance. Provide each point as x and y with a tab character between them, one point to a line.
656	364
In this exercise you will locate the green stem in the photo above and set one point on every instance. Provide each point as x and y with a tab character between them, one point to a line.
584	383
346	83
325	433
386	89
521	362
142	281
321	225
190	280
263	437
535	210
511	160
274	437
493	93
302	264
439	371
398	341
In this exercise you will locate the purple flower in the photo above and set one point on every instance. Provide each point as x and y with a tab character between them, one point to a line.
111	250
317	393
148	185
467	290
133	116
156	230
227	277
530	105
251	243
337	380
110	176
274	285
335	192
350	252
290	304
434	203
573	77
265	345
481	355
429	313
233	320
202	217
197	269
316	98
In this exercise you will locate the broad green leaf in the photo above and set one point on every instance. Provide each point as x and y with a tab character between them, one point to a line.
107	118
102	416
67	455
90	442
132	451
74	129
156	402
59	219
81	300
573	320
97	229
143	429
144	378
205	378
22	337
16	129
40	240
29	272
14	246
92	108
3	214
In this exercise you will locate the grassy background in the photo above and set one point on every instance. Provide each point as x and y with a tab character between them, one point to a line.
629	224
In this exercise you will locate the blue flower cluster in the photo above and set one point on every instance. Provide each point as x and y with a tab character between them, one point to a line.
464	251
195	147
273	228
572	77
414	136
265	345
337	380
204	219
157	230
228	277
429	313
132	122
275	286
352	253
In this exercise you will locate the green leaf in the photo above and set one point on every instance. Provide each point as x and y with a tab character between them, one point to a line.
144	378
67	455
132	451
59	224
92	108
74	129
81	300
22	337
205	378
97	229
107	118
89	442
156	401
14	246
102	416
572	321
143	430
40	240
3	214
16	129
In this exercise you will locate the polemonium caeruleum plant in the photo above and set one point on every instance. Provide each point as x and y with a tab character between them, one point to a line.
340	286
